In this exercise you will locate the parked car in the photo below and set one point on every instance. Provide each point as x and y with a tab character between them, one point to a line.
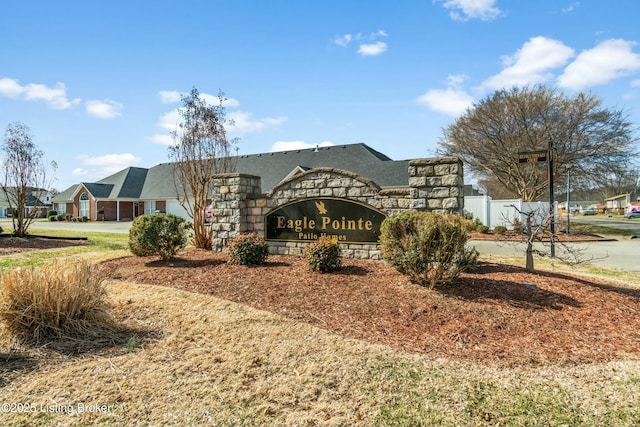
208	213
589	212
632	214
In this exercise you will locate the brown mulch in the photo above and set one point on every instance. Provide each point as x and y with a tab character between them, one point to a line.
13	245
495	314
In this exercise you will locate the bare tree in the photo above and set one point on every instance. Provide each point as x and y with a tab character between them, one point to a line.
25	176
535	227
489	136
201	150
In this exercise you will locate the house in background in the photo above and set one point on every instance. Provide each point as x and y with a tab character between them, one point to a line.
136	191
617	204
37	198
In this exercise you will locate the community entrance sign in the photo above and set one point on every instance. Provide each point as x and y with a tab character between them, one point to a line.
344	220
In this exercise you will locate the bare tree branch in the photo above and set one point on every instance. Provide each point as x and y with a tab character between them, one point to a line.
25	176
201	150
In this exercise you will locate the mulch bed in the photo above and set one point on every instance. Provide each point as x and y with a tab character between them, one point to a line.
496	314
12	245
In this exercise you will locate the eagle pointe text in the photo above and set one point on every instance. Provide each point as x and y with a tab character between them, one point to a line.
326	223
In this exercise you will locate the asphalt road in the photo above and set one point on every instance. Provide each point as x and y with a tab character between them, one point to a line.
622	253
632	225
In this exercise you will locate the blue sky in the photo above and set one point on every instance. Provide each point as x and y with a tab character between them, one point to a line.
98	83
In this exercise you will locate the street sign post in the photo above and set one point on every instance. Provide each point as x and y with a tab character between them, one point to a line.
544	156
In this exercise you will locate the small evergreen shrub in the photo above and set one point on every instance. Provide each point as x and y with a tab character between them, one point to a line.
53	218
248	249
428	247
84	219
500	229
517	226
61	298
158	234
483	229
323	255
51	213
60	218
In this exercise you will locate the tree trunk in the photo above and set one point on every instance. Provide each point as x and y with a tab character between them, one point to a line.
529	257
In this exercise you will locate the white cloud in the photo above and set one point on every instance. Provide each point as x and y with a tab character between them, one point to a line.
55	97
463	10
106	109
169	96
531	63
372	49
573	6
297	145
102	166
162	139
635	83
243	123
173	96
343	40
452	101
607	61
368	45
10	88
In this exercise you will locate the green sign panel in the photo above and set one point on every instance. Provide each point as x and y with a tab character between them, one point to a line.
309	219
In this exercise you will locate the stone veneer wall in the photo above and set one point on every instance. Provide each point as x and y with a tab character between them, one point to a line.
434	184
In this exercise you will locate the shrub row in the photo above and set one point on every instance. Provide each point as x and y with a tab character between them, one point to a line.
430	248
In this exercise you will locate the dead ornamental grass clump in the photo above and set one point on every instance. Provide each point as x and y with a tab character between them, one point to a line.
61	298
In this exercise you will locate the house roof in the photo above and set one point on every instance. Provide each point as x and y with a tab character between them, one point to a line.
157	182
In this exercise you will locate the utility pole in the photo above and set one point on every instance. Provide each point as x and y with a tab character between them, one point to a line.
551	202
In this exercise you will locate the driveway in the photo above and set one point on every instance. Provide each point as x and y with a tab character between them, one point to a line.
91	226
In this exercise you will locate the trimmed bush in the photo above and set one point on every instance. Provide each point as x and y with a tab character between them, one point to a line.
51	213
248	249
499	229
158	234
428	247
323	255
53	218
56	299
483	229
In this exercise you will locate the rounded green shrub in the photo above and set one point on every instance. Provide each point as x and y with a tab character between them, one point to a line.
483	229
323	255
51	213
53	218
248	249
430	248
158	234
499	229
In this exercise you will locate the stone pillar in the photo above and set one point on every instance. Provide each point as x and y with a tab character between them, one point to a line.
437	185
230	209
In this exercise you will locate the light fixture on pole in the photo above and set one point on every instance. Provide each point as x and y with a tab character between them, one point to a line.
568	166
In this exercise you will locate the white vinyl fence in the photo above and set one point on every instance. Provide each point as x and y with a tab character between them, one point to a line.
502	212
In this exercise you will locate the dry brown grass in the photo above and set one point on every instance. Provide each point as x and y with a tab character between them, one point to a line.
199	360
54	299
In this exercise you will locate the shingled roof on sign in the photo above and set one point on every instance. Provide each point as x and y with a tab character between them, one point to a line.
357	158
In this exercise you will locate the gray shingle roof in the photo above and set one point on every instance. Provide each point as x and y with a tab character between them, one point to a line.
357	158
157	182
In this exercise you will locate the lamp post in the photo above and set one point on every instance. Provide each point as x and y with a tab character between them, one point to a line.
568	166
